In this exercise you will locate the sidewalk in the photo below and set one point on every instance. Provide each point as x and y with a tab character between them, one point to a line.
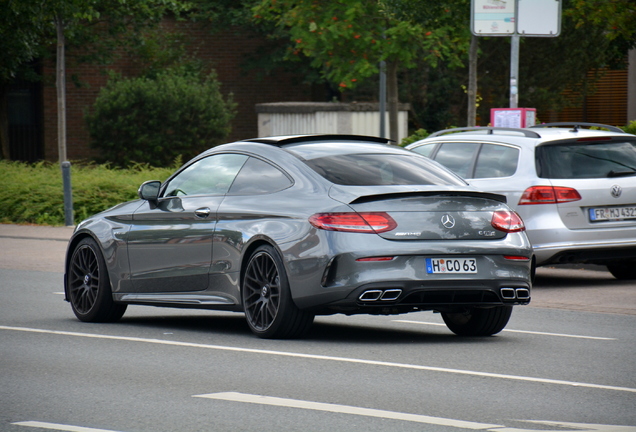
31	247
36	232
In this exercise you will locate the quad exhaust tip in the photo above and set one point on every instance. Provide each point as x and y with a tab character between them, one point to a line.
515	293
380	295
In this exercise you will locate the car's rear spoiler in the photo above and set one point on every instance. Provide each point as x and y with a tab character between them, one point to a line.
442	193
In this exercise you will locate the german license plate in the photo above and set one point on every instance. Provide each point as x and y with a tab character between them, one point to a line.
612	213
451	265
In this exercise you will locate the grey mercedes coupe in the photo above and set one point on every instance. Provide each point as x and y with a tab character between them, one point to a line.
286	228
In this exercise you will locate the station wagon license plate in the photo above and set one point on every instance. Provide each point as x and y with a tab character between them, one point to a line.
451	265
612	213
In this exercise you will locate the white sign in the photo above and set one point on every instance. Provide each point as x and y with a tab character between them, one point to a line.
539	17
493	17
516	17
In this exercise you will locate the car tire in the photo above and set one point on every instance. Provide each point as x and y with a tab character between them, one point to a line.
623	270
89	290
478	321
269	308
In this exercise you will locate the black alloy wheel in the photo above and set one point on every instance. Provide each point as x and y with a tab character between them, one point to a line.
269	308
89	285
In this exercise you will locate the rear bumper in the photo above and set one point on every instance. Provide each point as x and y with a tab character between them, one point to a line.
396	298
332	278
602	253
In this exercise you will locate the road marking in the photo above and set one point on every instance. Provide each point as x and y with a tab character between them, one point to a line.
327	358
517	331
393	415
344	409
59	427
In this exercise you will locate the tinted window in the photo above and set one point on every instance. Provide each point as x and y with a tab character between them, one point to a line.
381	169
210	176
259	177
587	160
496	161
425	149
458	157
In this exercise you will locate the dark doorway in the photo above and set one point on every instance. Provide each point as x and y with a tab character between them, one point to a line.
24	106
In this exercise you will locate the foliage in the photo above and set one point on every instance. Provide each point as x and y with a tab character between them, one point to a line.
630	128
617	17
346	40
33	194
28	29
143	120
419	134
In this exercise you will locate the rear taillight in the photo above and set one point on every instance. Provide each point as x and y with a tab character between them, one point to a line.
507	221
548	195
353	222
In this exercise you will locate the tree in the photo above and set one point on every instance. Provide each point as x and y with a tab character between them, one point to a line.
156	119
346	40
29	29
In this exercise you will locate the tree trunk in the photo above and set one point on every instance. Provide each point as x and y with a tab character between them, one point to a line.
472	82
392	98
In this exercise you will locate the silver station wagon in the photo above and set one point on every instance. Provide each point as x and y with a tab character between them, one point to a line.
286	228
575	188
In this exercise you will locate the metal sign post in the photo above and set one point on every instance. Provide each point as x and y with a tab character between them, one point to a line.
515	18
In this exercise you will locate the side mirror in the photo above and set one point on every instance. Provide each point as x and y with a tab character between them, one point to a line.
149	190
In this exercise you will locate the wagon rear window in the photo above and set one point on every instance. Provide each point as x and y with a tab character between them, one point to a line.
587	160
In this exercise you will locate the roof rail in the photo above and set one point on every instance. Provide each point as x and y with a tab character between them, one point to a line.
293	139
577	126
491	131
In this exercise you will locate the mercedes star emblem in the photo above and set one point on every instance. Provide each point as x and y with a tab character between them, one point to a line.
448	221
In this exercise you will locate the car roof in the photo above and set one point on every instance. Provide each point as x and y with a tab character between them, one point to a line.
313	146
532	136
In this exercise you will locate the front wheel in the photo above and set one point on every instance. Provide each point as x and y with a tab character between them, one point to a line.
269	308
89	285
623	270
478	321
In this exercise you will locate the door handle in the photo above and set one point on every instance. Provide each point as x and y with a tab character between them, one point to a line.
202	212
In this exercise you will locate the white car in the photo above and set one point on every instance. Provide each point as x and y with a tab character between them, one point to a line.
575	188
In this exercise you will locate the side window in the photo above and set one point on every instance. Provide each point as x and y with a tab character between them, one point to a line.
496	161
458	157
210	176
259	177
425	149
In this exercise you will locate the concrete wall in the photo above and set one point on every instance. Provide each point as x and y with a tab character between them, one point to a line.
290	118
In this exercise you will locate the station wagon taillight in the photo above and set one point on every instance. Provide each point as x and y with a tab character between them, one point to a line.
507	221
354	222
548	195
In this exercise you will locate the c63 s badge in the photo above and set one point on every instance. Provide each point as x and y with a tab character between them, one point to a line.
487	233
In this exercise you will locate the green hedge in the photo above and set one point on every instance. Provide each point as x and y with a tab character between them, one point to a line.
154	120
33	194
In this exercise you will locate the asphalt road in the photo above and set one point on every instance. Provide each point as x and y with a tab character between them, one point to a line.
564	363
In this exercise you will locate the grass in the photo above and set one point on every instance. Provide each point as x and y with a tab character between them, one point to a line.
33	194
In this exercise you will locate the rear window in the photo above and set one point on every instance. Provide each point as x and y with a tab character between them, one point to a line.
382	169
586	160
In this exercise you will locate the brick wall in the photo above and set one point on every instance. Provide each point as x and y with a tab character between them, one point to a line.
225	50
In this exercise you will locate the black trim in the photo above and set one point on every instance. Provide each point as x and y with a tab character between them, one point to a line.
295	139
399	195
